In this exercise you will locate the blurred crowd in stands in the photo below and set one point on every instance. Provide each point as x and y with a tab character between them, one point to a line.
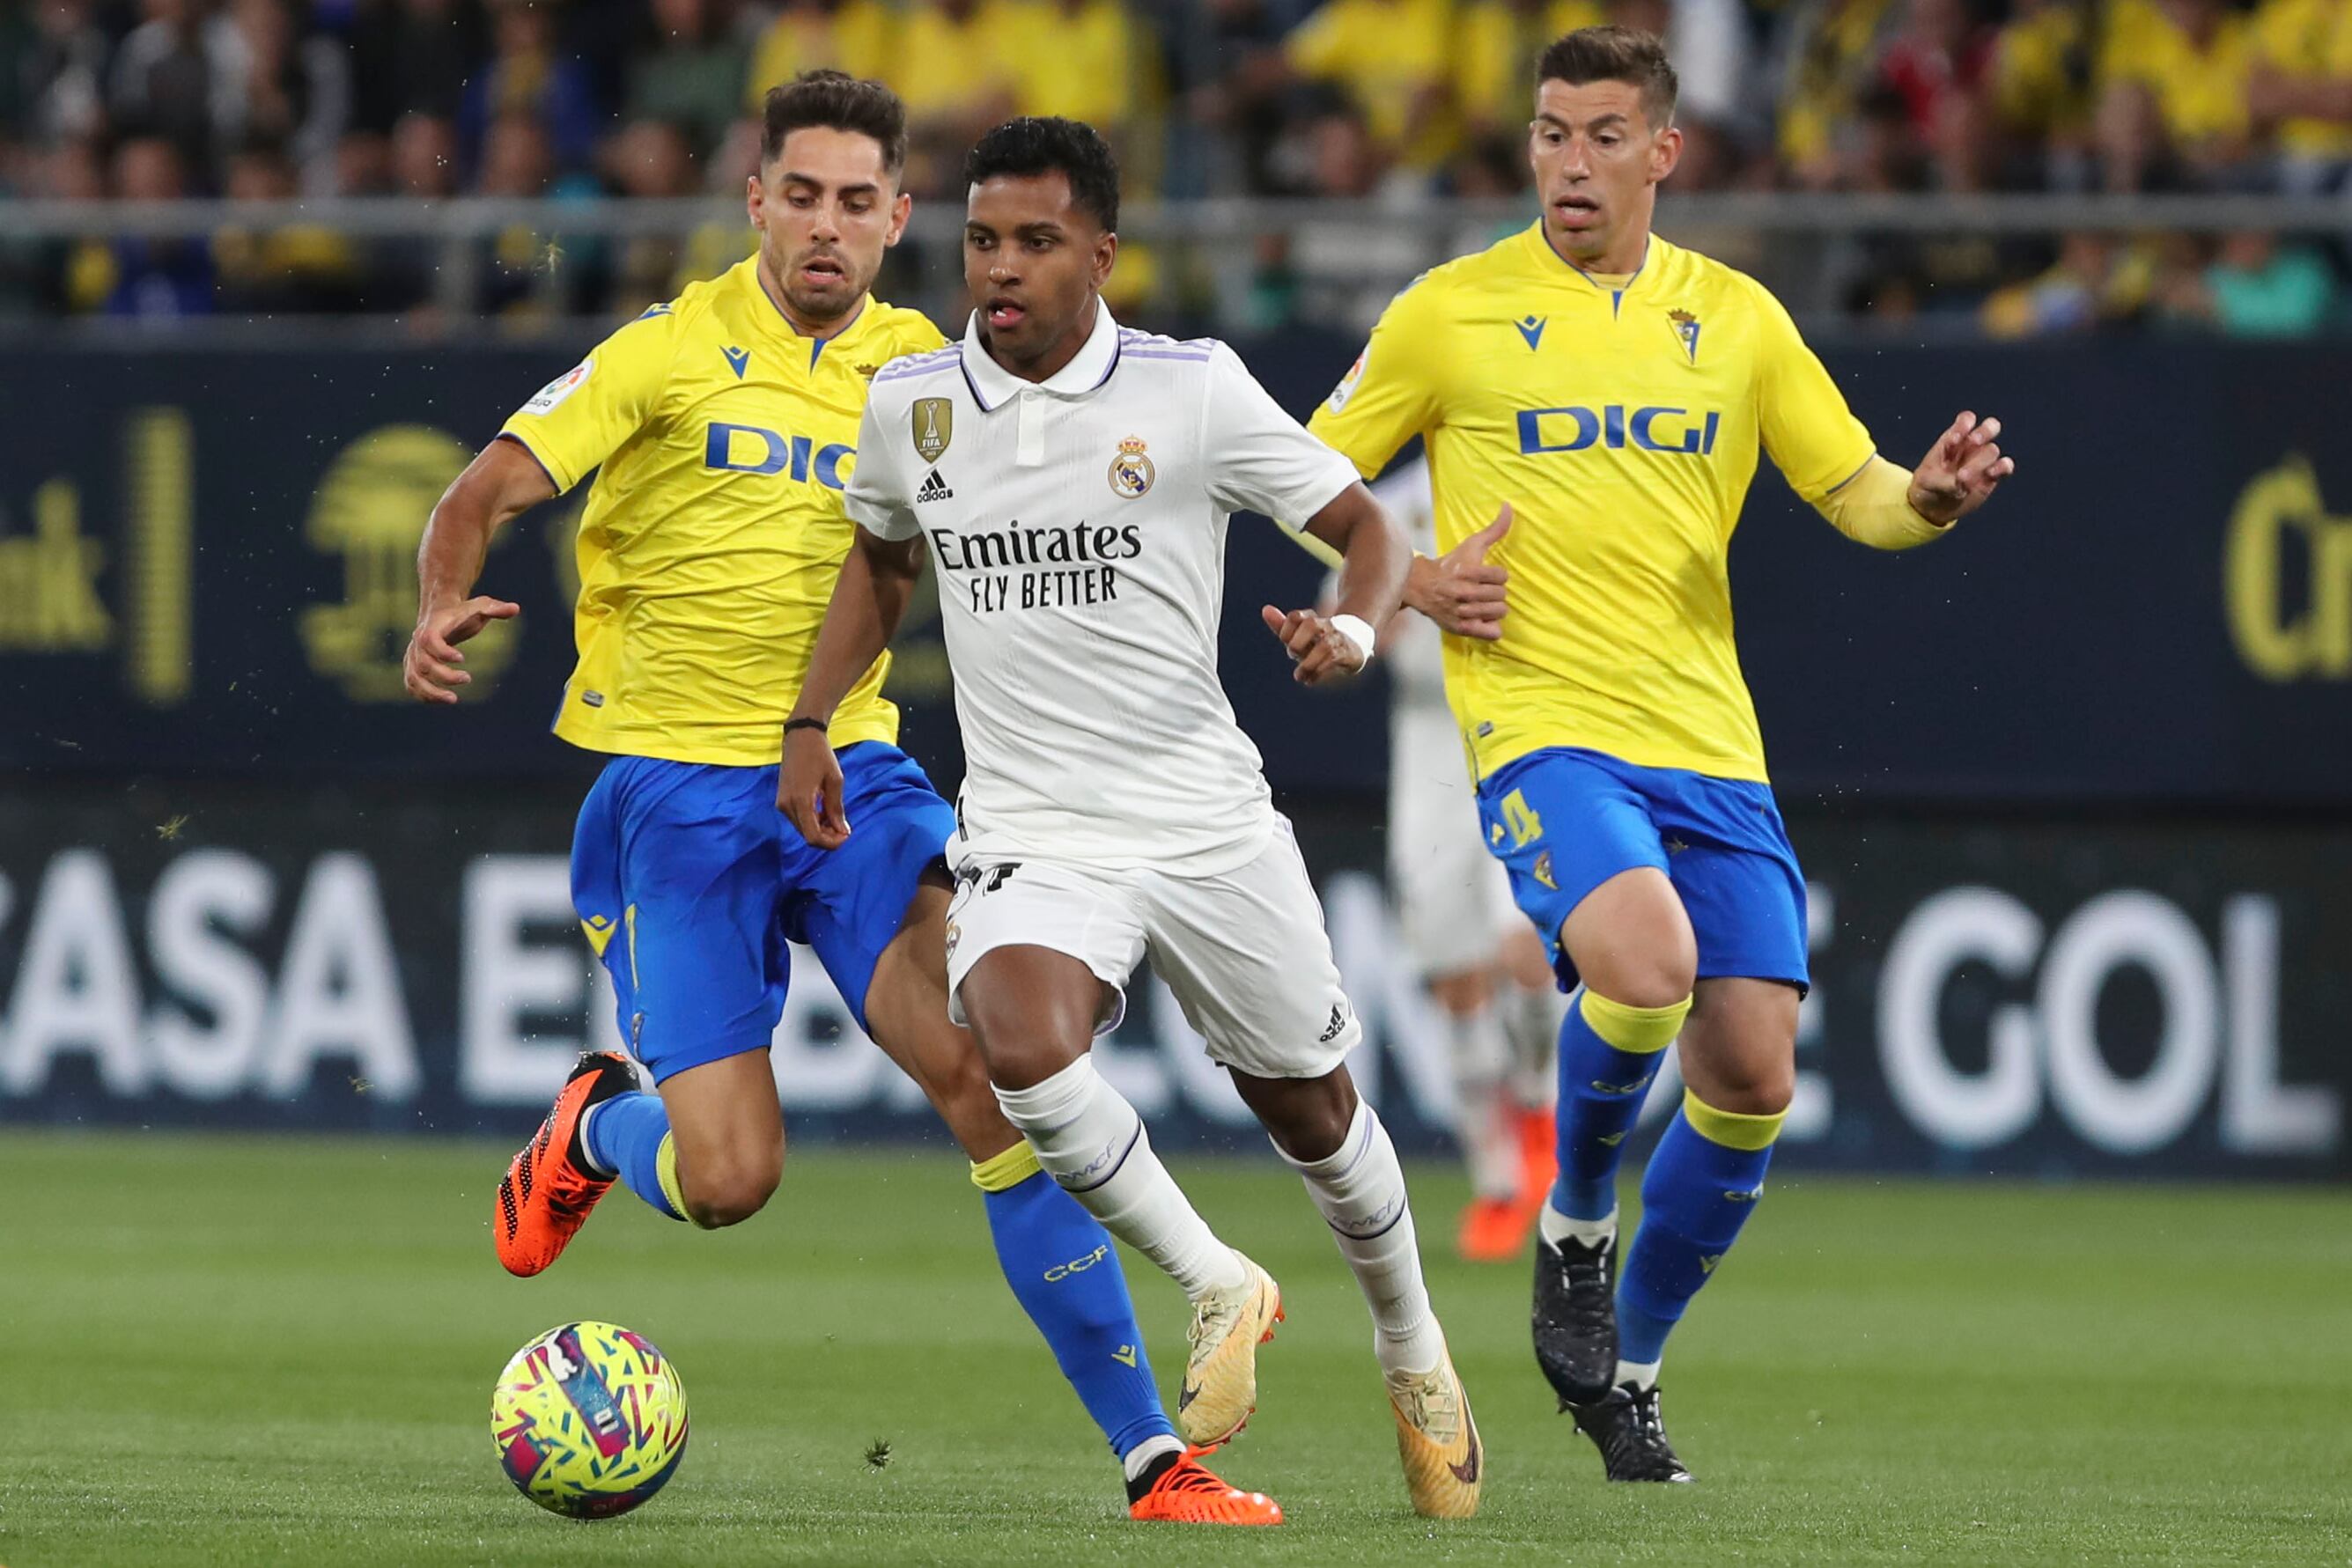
1398	102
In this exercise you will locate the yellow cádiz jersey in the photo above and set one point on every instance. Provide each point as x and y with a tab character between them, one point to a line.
709	545
1621	423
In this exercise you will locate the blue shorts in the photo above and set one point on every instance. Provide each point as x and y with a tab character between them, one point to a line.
1564	820
689	882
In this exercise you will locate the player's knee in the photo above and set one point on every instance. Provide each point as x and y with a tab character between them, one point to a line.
1765	1092
961	1094
1659	977
1307	1118
729	1190
1633	944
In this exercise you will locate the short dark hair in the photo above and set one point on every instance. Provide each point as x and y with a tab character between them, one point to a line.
1611	53
835	100
1048	144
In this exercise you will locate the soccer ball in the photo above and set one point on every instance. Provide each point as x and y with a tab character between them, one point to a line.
589	1420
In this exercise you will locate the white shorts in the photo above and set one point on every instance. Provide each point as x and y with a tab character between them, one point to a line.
1244	951
1453	898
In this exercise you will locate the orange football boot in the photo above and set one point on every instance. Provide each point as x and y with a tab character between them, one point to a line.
1538	1157
1186	1492
1494	1229
548	1191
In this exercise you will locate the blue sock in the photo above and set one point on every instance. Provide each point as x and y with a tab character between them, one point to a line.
1702	1183
630	1133
1609	1054
1066	1274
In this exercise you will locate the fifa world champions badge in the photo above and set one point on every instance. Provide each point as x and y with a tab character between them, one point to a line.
1131	472
934	425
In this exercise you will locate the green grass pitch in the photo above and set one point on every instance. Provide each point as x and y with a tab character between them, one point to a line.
229	1350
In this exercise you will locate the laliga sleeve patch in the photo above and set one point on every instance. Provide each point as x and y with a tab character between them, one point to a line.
549	396
1337	401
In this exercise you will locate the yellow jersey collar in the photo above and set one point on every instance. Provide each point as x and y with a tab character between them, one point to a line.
993	385
1615	295
773	312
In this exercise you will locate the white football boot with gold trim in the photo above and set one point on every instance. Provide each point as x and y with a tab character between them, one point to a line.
1437	1441
1220	1389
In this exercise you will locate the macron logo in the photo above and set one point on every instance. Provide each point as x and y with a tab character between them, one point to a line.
1531	328
736	358
933	489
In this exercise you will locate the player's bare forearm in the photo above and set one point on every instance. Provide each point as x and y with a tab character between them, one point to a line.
1373	555
869	601
501	483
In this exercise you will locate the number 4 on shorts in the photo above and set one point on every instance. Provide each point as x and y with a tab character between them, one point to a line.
1526	826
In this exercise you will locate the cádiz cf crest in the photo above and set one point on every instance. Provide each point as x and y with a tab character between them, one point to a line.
1131	472
1686	329
934	421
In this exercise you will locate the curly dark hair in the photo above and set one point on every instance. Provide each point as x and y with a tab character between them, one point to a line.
1613	52
837	101
1048	144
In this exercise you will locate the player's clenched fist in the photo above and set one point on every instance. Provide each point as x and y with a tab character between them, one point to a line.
1960	471
808	788
1459	589
432	670
1317	645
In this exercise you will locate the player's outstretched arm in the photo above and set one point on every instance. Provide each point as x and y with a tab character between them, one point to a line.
869	600
499	484
1960	471
1373	556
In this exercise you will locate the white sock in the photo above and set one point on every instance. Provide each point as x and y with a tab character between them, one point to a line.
1557	1227
1532	1027
1090	1140
1138	1458
1490	1147
1642	1375
1360	1190
587	1149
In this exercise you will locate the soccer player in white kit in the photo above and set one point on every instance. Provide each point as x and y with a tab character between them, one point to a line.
1484	965
1071	482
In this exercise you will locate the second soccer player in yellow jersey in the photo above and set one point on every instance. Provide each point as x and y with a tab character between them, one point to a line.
1615	391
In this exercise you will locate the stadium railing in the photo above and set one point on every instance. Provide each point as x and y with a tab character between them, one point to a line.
1807	245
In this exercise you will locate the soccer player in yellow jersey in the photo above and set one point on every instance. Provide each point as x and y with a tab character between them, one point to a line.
723	424
1616	389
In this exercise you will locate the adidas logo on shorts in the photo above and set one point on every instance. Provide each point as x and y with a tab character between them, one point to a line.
933	489
1338	1022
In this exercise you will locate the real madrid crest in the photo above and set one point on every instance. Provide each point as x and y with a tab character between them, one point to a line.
1131	472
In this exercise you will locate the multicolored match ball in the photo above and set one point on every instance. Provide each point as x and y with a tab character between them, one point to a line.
589	1420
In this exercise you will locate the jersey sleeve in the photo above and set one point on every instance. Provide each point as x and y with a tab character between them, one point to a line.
1392	392
880	498
1813	438
1259	459
582	416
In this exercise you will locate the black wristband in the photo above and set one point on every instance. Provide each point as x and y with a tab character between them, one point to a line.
792	724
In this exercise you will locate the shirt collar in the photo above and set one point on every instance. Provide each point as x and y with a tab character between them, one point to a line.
1650	254
993	385
773	315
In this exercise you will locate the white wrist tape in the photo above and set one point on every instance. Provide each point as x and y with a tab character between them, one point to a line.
1356	630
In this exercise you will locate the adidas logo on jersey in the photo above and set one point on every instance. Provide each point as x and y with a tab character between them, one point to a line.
933	489
1338	1022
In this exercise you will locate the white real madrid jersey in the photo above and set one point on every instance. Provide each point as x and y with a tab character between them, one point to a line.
1077	527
